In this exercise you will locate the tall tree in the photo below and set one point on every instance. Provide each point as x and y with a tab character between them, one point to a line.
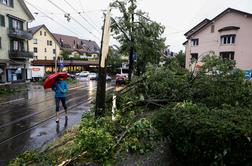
137	34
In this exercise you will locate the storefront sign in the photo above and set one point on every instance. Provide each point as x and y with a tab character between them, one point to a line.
35	69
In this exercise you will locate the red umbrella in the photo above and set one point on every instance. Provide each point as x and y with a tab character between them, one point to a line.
51	79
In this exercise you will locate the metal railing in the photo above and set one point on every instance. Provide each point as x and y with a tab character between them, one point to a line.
18	54
20	34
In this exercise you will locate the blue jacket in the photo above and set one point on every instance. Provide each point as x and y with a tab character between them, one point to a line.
60	88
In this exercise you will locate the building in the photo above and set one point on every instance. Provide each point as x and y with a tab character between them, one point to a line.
14	52
228	35
86	49
43	44
81	54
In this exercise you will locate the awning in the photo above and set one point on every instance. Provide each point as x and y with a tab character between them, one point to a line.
11	62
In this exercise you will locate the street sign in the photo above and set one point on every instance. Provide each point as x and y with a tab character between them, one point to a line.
135	56
62	63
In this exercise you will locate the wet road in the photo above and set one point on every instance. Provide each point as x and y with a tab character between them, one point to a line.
27	121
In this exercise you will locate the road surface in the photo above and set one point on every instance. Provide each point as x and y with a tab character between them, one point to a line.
28	121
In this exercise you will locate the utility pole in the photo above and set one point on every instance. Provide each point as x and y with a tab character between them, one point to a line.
101	85
55	61
131	54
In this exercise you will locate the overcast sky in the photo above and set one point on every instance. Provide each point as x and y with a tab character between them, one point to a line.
178	16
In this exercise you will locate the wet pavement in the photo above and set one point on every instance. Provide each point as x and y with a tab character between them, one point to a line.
28	121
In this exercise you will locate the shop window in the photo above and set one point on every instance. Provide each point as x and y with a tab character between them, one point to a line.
15	74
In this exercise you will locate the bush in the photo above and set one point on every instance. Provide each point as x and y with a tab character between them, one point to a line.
202	136
95	138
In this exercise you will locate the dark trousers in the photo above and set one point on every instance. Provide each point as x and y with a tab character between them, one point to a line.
63	101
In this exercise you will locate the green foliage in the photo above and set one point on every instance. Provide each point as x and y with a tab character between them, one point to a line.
219	83
7	90
181	58
32	158
134	30
202	136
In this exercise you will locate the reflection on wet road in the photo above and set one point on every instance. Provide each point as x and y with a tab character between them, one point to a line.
28	122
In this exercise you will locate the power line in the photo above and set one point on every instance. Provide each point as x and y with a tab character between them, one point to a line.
69	16
81	15
51	18
85	12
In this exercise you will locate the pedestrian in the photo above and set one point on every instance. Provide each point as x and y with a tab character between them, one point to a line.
60	88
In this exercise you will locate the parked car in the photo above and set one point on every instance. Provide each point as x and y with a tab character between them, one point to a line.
92	76
84	73
108	78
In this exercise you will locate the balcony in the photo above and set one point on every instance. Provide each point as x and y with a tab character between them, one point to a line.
16	54
20	34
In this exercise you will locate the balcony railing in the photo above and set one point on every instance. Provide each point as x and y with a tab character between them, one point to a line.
16	54
20	34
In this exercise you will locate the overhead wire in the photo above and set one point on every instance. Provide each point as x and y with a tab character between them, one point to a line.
51	18
85	12
73	19
81	15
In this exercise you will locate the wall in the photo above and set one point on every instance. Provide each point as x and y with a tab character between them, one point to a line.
17	11
42	44
211	41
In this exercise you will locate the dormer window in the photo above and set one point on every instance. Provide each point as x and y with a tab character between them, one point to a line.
228	39
195	42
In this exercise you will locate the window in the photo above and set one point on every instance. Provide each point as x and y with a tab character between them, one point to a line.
44	33
45	58
50	43
54	51
15	24
0	42
35	41
227	55
2	20
45	50
228	39
16	45
195	42
7	2
35	57
40	33
194	57
35	50
212	28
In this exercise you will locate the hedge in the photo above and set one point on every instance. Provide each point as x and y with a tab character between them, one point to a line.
202	136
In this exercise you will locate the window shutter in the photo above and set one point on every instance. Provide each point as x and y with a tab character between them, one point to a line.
10	23
2	20
11	3
0	42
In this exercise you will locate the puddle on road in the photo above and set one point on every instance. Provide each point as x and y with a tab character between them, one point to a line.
42	133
